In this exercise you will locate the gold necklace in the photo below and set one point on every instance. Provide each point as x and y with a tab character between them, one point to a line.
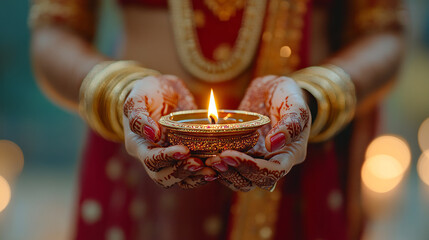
241	55
224	9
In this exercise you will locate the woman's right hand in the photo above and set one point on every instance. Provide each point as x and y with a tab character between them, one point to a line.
151	98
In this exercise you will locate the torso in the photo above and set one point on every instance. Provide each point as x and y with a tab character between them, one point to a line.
149	40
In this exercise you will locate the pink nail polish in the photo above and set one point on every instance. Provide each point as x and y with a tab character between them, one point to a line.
180	156
210	178
149	132
220	166
277	141
230	161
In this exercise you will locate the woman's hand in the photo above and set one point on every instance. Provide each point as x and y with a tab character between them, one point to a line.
151	98
281	147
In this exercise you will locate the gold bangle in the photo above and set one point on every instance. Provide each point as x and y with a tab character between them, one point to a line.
341	97
323	106
103	92
93	111
349	88
109	96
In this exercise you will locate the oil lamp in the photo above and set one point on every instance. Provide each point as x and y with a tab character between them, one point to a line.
209	132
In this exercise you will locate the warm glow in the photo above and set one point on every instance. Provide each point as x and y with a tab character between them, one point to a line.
11	159
382	173
4	193
423	167
212	113
423	135
285	51
393	146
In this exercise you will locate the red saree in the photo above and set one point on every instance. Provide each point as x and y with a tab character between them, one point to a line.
314	201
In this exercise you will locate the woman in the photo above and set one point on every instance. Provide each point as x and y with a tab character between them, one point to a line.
243	50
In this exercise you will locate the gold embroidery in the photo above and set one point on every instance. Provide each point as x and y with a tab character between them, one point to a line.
224	9
241	55
283	32
255	213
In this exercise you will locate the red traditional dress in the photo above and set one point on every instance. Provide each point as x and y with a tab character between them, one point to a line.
318	199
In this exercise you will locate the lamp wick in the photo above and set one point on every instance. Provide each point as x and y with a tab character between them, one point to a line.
212	119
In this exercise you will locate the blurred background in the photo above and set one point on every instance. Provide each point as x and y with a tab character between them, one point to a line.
37	188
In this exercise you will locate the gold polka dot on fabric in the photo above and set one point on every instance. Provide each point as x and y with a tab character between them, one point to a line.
199	18
115	233
265	232
335	200
114	169
138	208
90	211
222	52
285	52
213	225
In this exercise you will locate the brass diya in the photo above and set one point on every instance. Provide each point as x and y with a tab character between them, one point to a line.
234	130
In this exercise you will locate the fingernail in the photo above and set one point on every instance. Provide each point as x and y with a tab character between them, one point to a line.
149	132
277	141
180	155
195	168
210	178
230	161
222	167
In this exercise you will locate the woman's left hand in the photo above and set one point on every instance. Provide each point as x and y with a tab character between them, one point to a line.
278	149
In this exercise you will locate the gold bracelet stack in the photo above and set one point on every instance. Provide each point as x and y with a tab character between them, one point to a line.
103	93
335	95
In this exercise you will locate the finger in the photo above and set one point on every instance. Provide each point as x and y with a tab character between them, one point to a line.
186	100
230	175
170	176
228	184
192	181
154	157
284	132
293	153
262	173
136	111
290	115
157	158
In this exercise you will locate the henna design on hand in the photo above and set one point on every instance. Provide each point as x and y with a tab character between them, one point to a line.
192	181
263	177
155	162
152	98
281	99
230	177
305	116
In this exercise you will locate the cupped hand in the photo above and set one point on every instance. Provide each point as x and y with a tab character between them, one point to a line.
151	98
279	148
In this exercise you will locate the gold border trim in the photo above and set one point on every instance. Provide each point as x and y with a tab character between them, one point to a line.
214	128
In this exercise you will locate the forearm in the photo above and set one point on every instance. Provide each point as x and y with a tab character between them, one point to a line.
371	62
61	60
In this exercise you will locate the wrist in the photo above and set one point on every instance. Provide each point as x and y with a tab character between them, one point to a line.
331	97
103	92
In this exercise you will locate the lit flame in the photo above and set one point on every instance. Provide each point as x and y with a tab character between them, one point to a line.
212	113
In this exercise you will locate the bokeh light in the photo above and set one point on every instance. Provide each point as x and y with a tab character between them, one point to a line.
423	135
285	51
4	193
423	167
11	159
390	145
382	173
